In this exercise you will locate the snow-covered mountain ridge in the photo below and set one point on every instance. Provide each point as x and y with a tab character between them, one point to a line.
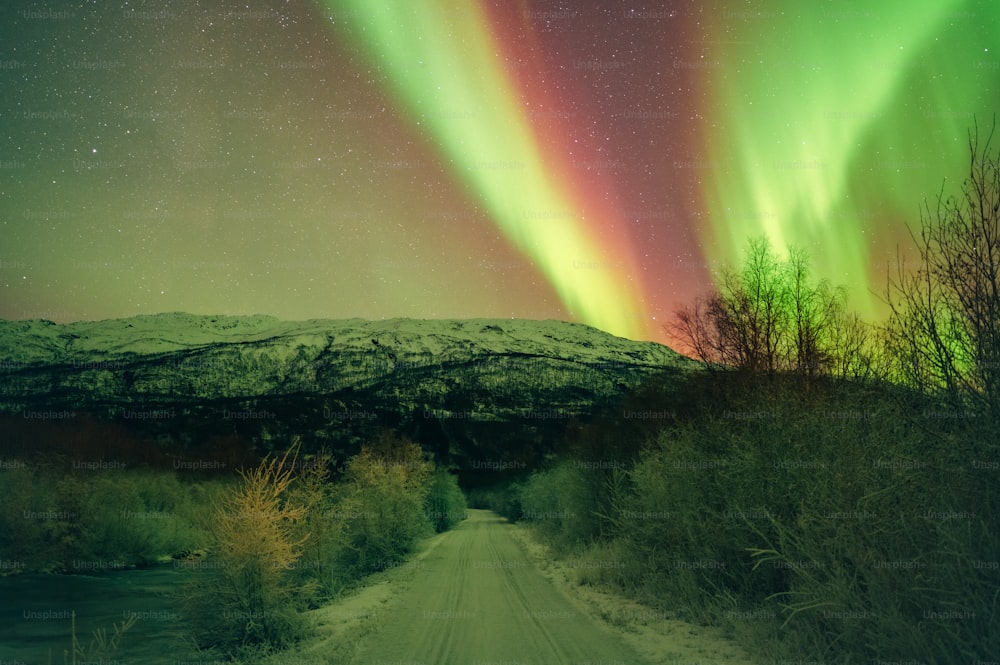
322	379
39	341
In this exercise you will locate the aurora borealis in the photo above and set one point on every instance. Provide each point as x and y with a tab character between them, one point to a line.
586	161
871	113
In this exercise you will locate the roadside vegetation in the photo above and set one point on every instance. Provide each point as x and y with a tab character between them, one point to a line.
284	536
828	488
286	539
88	521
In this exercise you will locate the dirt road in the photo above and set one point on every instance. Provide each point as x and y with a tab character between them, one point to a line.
477	598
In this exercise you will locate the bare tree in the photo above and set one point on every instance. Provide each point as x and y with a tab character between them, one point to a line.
816	310
945	315
696	334
770	317
756	308
857	348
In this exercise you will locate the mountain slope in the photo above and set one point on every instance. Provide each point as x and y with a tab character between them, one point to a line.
181	376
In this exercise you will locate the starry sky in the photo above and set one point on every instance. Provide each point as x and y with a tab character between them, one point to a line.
592	161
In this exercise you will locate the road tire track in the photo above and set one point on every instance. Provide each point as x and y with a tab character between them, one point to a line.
478	599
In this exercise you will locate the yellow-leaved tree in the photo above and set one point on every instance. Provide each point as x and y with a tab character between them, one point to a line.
245	592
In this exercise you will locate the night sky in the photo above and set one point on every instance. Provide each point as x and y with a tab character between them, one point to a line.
587	161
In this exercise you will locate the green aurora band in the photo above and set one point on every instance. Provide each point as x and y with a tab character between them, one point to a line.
827	127
440	59
833	123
